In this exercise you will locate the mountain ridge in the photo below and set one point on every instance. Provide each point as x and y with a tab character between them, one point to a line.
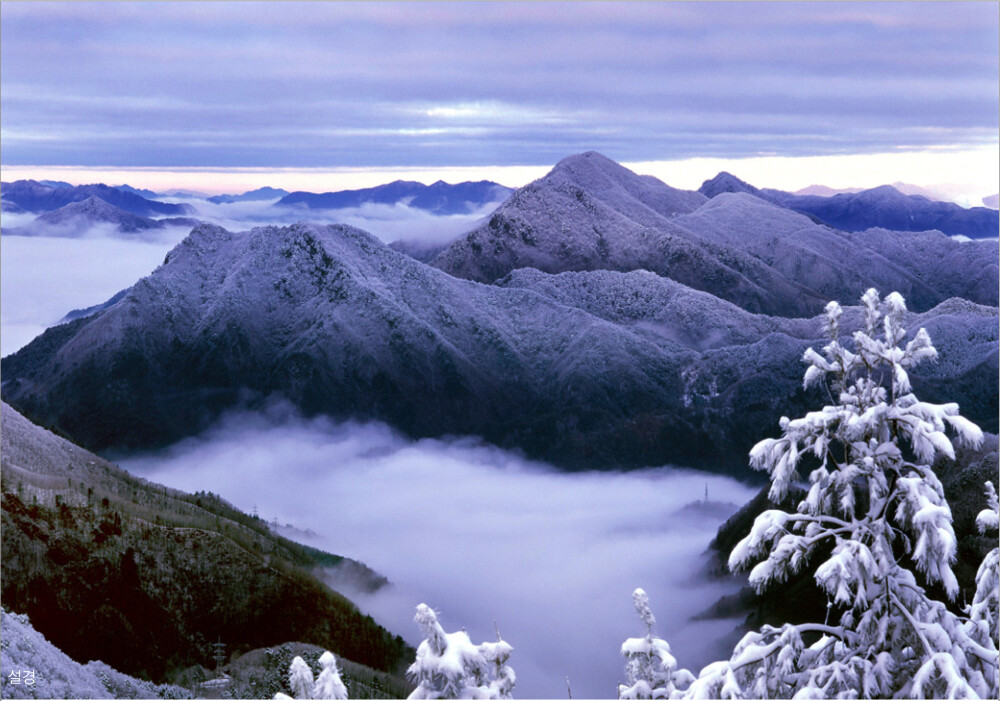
77	218
37	197
337	323
439	198
260	194
590	213
884	207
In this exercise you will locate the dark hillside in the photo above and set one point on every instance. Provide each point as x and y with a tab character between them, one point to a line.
111	567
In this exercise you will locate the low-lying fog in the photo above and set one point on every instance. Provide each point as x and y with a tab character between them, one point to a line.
42	278
483	536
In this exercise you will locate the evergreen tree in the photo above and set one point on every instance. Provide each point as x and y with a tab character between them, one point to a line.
300	678
502	680
449	666
329	685
875	501
650	668
984	611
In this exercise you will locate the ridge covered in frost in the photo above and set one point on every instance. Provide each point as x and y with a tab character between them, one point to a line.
584	369
743	246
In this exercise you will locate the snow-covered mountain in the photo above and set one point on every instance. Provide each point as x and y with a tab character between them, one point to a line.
33	196
884	207
590	213
439	198
594	369
925	267
258	195
77	218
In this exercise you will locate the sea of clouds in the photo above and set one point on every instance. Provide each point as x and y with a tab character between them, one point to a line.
482	535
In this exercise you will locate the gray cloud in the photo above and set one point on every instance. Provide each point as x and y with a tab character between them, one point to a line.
481	535
345	84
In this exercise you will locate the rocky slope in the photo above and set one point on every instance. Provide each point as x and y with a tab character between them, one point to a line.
112	567
591	369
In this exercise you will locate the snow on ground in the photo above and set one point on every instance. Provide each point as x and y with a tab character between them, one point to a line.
33	668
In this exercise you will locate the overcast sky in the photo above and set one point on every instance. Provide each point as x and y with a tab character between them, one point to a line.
428	85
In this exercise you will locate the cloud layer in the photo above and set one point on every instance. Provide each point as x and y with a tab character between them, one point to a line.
43	278
481	535
302	85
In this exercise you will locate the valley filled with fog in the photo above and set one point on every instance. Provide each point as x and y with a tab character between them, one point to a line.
551	558
481	535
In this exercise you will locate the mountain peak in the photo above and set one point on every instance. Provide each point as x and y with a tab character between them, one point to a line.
94	204
726	182
884	191
590	159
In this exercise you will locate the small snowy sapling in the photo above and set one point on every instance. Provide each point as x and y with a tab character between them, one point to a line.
327	686
650	668
449	666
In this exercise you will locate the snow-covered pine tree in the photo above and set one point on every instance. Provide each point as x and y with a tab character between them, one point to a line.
874	499
300	678
449	666
502	680
329	685
650	668
984	611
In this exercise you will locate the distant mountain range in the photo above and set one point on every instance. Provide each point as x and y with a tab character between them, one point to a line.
142	192
33	196
260	194
881	207
77	218
439	198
